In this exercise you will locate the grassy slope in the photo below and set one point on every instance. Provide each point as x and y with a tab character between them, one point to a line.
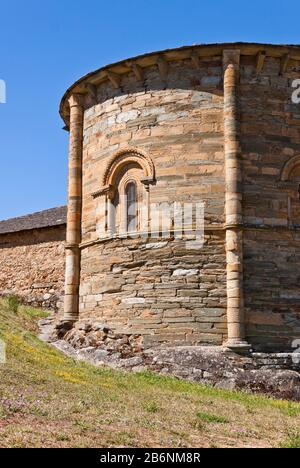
48	400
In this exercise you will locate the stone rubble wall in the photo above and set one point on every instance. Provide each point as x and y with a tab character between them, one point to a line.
32	266
275	374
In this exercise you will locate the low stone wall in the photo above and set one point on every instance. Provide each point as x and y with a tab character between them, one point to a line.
32	266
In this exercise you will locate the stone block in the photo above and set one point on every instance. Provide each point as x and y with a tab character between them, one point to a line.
185	272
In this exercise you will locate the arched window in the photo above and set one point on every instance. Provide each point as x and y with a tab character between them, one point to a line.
294	199
131	206
123	201
290	177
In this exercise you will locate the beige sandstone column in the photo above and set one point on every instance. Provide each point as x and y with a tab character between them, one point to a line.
111	216
72	276
233	204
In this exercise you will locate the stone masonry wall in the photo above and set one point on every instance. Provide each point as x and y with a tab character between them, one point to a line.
271	285
163	291
158	288
179	124
32	266
270	125
178	121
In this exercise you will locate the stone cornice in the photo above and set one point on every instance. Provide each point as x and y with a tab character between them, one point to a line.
207	228
144	235
113	73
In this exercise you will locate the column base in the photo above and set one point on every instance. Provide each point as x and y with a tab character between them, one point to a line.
238	346
63	326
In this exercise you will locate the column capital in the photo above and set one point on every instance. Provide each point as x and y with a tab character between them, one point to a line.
76	100
231	57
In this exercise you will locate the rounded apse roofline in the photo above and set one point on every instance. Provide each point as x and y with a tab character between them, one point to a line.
114	72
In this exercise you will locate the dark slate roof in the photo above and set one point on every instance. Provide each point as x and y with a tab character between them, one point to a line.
42	219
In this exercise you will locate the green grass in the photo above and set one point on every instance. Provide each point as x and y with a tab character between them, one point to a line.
13	303
211	418
49	400
35	313
293	441
152	407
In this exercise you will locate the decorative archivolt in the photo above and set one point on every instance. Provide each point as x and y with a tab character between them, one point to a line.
118	162
125	157
289	167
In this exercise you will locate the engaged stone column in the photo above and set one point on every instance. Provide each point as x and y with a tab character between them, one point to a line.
72	278
233	204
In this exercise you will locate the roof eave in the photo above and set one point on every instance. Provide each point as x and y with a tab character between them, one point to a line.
249	47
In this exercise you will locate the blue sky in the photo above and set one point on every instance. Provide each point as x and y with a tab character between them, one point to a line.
46	45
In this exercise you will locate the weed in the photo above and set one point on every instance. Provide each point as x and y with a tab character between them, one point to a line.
152	407
13	303
211	418
293	441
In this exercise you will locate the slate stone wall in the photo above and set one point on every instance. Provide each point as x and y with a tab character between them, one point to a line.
178	122
159	288
270	135
162	291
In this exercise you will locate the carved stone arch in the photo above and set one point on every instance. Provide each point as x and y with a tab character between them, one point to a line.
123	158
127	164
289	167
290	182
